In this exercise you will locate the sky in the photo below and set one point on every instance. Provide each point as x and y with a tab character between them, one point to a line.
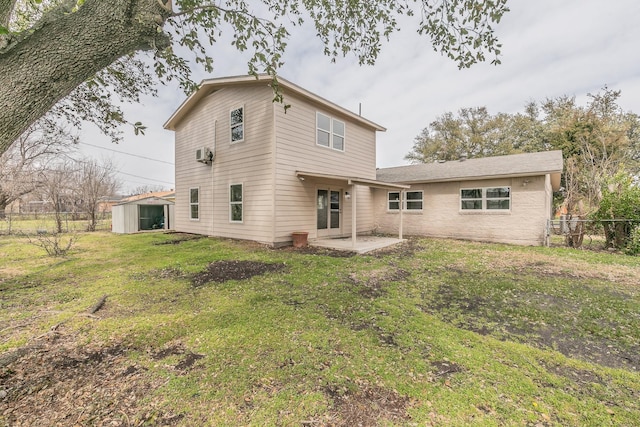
550	48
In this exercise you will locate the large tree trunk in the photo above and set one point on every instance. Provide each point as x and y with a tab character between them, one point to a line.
66	49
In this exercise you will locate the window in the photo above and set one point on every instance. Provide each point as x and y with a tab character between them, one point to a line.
237	125
235	203
330	132
324	130
413	201
194	203
393	198
492	198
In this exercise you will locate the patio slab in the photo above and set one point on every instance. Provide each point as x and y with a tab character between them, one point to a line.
363	244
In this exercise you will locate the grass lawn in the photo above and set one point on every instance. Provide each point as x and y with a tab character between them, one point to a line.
200	331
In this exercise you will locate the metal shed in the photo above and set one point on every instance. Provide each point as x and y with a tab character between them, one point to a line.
148	214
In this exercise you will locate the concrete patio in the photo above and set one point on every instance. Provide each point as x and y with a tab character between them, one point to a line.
363	244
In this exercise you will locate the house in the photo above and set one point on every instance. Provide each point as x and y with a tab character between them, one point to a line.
136	214
246	168
505	199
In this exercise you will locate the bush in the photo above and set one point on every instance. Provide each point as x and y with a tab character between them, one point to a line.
619	210
54	244
633	246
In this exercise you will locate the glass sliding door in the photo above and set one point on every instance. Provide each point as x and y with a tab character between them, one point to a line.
329	211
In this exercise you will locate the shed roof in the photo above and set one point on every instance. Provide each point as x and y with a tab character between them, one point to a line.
151	200
514	165
208	86
160	194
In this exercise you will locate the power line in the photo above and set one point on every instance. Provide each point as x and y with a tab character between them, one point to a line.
127	154
125	173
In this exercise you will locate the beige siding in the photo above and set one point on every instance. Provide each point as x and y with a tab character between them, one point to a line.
297	151
441	216
248	163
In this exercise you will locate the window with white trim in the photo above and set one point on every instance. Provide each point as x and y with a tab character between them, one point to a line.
393	200
413	201
237	125
488	198
235	203
194	203
330	132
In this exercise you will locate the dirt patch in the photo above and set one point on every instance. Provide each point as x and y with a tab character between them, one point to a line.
371	283
60	383
486	316
367	406
445	368
314	250
177	238
592	349
222	271
401	250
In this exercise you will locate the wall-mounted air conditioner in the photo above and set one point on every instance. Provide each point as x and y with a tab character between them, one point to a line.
204	155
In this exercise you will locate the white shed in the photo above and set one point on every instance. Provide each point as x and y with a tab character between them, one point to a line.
151	213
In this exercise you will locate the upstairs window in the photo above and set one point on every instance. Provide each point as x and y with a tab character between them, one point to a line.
237	125
490	198
194	203
330	132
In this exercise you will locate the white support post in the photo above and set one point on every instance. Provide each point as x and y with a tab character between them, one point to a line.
354	225
402	195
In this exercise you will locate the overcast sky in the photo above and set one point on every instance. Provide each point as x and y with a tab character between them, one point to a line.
550	48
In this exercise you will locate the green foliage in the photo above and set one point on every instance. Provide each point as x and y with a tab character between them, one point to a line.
619	210
460	29
474	133
633	245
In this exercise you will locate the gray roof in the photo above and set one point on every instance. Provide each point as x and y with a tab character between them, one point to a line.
527	164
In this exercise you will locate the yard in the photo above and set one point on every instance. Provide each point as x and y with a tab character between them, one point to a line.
197	331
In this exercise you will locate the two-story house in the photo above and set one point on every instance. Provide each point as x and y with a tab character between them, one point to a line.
246	168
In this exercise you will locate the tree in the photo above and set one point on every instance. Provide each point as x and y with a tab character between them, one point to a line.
146	188
619	209
73	56
596	140
57	188
472	133
92	182
22	165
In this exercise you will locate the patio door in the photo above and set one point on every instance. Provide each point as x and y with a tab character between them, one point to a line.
329	212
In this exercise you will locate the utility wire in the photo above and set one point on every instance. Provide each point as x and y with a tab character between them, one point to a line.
125	153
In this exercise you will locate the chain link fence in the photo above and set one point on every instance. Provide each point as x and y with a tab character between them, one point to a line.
591	234
43	223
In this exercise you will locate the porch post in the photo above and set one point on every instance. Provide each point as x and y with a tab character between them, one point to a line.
402	195
354	225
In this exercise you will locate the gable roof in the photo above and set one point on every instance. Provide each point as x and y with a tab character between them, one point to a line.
208	86
514	165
